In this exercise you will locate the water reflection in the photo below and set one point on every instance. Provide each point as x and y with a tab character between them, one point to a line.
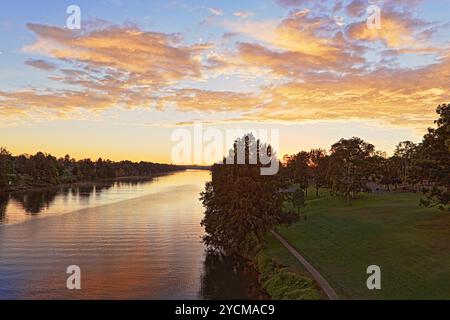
35	201
20	206
4	198
132	240
229	277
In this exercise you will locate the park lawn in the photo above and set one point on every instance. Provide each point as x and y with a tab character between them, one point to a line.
411	245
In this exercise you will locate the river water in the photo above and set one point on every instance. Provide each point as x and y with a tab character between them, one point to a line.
131	240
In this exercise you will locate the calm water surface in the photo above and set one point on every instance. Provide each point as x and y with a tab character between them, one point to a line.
132	240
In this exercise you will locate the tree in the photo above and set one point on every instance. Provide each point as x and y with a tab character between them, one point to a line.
298	200
384	170
433	158
5	168
318	165
41	170
297	169
405	152
349	172
241	204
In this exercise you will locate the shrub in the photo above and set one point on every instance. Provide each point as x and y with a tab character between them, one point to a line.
265	266
281	283
302	294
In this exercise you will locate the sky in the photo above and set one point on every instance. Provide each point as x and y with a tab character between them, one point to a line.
138	70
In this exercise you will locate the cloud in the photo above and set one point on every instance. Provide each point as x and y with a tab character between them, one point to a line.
215	11
104	68
299	32
300	43
243	14
398	30
41	64
51	103
357	8
292	3
388	96
154	58
209	101
304	67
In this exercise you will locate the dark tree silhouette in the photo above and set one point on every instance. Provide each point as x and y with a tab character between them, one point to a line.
42	170
241	204
433	160
349	171
318	166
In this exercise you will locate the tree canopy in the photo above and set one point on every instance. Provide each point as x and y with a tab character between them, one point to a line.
241	204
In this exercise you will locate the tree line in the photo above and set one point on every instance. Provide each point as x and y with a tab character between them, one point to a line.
353	164
242	205
41	170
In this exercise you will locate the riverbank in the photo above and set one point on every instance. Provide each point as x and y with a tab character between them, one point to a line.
74	183
282	276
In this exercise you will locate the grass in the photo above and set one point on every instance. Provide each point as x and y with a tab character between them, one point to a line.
411	244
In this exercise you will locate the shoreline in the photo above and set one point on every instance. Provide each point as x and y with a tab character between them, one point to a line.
89	182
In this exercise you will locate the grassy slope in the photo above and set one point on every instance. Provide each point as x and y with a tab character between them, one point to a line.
411	245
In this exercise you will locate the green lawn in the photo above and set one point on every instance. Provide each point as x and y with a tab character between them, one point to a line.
411	245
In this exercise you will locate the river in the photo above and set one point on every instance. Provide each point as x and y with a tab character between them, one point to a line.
130	239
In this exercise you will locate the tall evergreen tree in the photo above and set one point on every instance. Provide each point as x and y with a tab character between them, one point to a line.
241	204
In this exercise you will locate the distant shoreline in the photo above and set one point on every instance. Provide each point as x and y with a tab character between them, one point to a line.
90	182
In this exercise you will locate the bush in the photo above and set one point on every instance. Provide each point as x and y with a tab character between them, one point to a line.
302	294
281	283
250	246
265	266
285	281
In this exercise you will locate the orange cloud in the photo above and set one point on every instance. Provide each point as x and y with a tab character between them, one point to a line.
210	101
299	32
155	58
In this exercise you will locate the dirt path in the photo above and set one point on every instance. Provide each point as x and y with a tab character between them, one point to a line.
321	281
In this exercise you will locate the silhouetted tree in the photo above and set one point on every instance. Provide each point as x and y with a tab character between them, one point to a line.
405	152
433	160
5	168
297	169
318	165
349	172
241	204
41	170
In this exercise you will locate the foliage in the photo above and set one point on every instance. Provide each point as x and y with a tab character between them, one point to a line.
40	170
298	199
241	204
283	284
349	169
433	159
296	169
405	152
318	165
5	165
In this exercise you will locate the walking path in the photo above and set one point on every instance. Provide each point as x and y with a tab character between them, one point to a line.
321	281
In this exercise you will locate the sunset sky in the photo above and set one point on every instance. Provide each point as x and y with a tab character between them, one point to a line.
139	69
